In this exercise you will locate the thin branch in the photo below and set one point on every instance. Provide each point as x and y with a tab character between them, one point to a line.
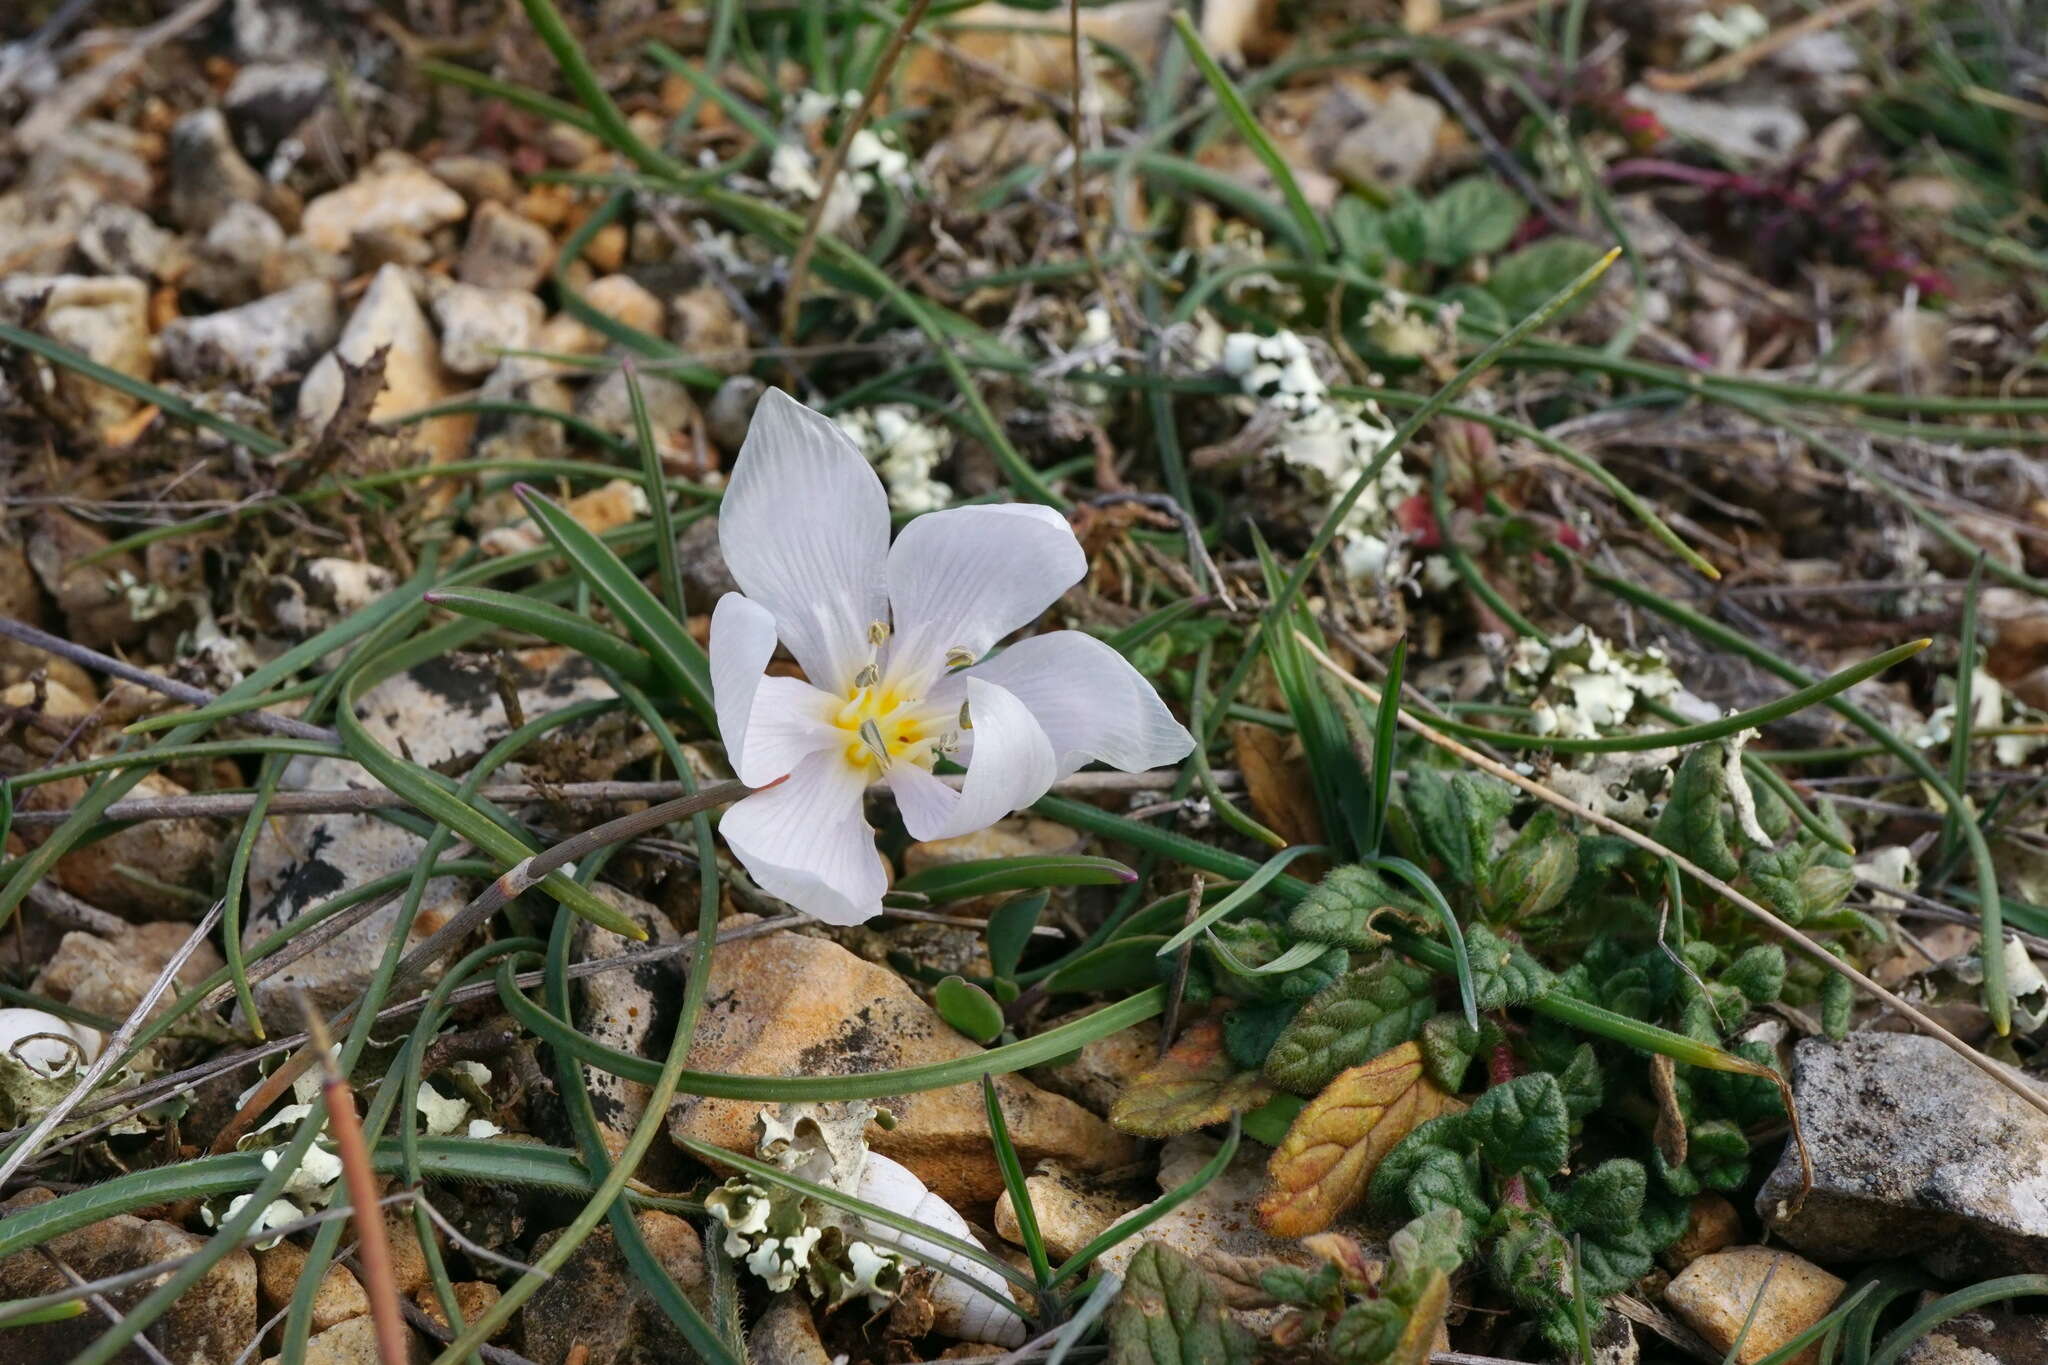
177	691
25	1147
1799	940
1735	63
352	800
835	161
137	1098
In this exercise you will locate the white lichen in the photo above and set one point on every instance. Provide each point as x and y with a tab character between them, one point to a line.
904	449
1330	442
1579	686
1991	708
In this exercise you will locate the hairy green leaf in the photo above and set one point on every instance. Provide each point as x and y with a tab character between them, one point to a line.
1692	823
1503	973
1475	216
1361	1016
1342	909
1521	1125
1169	1313
1535	872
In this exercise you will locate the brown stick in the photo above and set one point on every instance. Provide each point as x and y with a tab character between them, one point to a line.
1735	63
344	801
521	876
177	691
835	159
1795	937
373	1247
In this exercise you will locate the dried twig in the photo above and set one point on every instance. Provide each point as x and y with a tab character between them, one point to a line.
373	1245
348	800
1735	63
835	161
25	1147
177	691
132	1101
1795	937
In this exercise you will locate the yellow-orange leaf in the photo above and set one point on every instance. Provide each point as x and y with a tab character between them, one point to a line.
1425	1320
1194	1085
1338	1139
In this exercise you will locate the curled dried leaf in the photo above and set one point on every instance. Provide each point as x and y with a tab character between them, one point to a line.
1194	1085
1321	1167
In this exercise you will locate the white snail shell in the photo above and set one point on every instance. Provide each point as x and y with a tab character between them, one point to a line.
958	1310
49	1046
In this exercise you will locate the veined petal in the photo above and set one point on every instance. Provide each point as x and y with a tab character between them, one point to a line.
804	527
968	576
1012	766
806	841
1092	704
742	642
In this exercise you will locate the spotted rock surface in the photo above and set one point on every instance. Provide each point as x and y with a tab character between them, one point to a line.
444	711
1913	1150
792	1005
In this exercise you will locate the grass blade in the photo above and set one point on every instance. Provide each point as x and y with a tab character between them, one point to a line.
681	659
1314	241
551	623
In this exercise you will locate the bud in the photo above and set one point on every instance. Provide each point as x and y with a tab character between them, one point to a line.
1535	872
1359	1270
1822	888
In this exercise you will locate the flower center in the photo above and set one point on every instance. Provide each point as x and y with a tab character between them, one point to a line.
883	726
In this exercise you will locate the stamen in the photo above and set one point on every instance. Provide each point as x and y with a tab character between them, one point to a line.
959	656
878	633
966	721
871	735
868	676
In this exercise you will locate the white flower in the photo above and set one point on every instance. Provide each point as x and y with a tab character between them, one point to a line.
892	640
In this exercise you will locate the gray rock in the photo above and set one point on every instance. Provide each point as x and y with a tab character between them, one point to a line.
632	1010
234	255
268	100
38	227
389	316
207	1325
105	317
394	193
278	30
479	179
444	710
114	159
1983	1339
504	250
705	575
731	410
594	1302
1747	132
120	239
206	172
477	324
257	342
609	404
1913	1150
1395	144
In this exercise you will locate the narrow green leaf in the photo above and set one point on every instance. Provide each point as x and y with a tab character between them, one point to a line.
1306	222
681	659
1386	729
552	623
943	882
1009	931
1251	887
